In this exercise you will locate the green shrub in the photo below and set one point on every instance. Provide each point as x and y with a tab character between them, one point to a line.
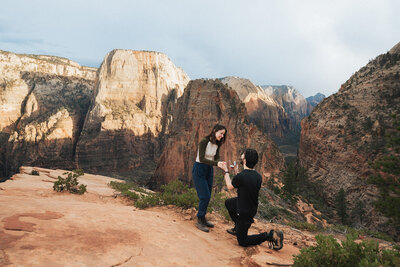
328	252
174	193
178	194
268	211
70	183
217	203
34	172
147	201
125	189
378	235
141	199
344	229
305	226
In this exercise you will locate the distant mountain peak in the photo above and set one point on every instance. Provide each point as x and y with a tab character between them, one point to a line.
316	99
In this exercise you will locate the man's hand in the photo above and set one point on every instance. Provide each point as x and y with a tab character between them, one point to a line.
227	177
236	169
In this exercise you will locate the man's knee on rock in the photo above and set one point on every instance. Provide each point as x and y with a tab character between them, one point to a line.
242	243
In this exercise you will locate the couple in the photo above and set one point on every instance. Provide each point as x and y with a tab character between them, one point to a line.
242	208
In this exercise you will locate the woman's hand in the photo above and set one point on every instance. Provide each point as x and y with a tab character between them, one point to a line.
222	165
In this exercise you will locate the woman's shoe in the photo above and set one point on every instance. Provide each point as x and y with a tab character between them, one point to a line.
201	225
206	223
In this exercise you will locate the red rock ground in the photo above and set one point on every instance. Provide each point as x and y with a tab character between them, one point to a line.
41	227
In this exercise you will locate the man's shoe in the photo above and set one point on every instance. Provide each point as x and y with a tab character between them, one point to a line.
201	226
276	240
206	223
232	231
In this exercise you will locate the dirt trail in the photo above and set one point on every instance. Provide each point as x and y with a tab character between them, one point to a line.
40	227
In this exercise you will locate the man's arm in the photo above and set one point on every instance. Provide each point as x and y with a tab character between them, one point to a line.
227	177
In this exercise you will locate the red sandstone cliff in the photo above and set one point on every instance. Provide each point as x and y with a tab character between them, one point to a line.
203	104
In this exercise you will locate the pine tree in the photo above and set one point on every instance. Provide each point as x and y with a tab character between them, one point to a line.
289	179
359	211
341	206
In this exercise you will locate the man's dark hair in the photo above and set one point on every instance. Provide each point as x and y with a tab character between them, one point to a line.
251	157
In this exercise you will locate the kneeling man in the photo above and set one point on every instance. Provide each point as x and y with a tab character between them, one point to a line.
243	208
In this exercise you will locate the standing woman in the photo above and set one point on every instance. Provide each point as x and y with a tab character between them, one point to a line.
203	172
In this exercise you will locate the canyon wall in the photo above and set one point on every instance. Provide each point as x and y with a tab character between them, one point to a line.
347	131
126	126
43	103
203	104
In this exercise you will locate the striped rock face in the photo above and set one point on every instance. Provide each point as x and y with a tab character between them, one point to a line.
43	104
134	95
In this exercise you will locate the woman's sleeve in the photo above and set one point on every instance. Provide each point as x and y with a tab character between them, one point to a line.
202	152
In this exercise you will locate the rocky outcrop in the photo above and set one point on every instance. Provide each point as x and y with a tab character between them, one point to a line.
289	98
43	103
276	110
296	108
134	96
203	104
316	99
347	131
263	110
294	104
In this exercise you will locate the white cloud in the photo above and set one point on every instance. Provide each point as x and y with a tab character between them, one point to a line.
312	45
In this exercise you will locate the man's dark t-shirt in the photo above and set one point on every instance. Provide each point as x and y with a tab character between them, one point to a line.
248	184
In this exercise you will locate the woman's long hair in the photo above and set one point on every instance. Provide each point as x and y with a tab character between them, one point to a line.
212	137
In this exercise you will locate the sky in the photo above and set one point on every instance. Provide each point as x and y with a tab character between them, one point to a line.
313	45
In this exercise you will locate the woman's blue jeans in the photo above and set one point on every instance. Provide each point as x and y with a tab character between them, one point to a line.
203	181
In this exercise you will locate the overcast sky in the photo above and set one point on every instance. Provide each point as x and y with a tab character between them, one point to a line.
314	46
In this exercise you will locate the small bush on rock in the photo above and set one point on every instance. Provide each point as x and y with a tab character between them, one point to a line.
70	183
125	189
174	193
147	201
178	194
34	172
305	226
